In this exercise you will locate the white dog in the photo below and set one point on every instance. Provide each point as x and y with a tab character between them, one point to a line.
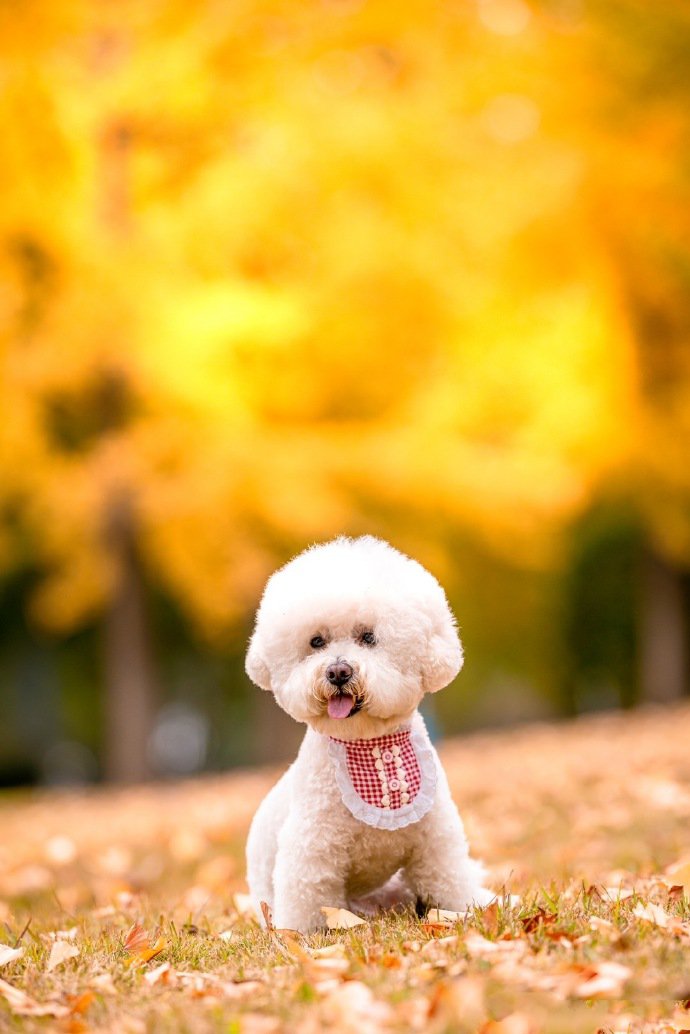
349	637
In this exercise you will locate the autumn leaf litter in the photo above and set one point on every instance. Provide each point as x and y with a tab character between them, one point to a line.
116	916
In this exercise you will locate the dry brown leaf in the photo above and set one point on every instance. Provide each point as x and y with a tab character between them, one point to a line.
539	919
266	913
340	918
8	954
60	952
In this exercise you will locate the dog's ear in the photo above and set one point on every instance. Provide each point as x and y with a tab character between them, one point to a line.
256	666
444	658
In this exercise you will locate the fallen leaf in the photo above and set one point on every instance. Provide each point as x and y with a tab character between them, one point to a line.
678	874
139	945
619	893
60	952
341	919
23	1005
161	974
79	1004
445	917
8	954
459	1001
652	914
489	917
266	913
605	980
353	1007
539	919
62	935
103	982
479	947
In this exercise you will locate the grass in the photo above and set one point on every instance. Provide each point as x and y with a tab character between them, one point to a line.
585	831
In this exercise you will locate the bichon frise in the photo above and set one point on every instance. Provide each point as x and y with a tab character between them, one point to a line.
349	637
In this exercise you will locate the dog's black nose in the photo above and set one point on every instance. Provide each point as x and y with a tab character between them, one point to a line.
339	674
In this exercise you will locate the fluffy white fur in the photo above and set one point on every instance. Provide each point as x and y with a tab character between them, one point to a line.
305	848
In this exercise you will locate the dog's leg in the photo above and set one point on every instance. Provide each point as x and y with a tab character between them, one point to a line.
309	873
262	844
440	870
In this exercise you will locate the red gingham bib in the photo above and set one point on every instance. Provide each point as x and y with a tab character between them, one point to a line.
386	781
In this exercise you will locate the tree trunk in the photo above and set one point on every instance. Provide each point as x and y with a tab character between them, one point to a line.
130	682
663	635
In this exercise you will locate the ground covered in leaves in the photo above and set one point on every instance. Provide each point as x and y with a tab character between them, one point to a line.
124	911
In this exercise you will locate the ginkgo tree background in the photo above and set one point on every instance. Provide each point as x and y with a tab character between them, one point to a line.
272	272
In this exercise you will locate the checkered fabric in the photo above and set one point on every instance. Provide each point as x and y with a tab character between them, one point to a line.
384	771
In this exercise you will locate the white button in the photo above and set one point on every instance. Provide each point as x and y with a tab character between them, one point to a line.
376	752
404	797
387	756
394	784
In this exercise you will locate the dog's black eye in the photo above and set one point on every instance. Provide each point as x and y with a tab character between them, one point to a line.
368	638
317	642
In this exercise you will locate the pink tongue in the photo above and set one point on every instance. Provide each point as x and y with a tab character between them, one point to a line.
340	706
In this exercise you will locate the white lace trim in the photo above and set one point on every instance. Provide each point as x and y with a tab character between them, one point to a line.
387	818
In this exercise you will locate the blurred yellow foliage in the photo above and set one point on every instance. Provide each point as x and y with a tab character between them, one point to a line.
270	270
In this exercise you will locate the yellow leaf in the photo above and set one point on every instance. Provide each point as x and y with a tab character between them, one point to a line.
140	946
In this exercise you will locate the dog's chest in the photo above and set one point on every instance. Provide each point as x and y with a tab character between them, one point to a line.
387	782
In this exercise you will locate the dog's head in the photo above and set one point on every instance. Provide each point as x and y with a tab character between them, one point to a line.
350	635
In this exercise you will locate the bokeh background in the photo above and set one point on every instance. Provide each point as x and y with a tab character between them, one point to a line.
274	271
